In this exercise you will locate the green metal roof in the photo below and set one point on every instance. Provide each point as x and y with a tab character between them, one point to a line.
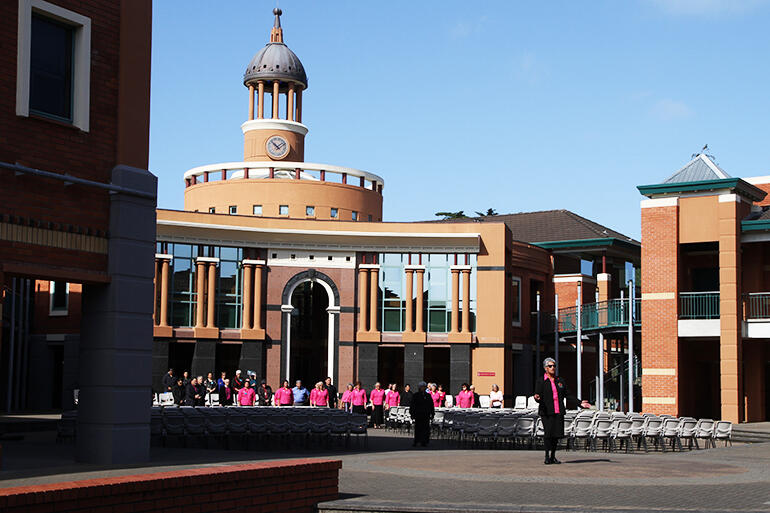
586	243
755	226
738	185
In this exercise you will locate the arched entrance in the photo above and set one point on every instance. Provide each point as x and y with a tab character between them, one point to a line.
310	328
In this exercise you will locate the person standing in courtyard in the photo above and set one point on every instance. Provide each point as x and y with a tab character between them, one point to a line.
264	394
347	398
225	393
332	392
300	394
465	397
246	395
496	397
406	397
421	411
169	381
552	392
377	397
283	396
358	398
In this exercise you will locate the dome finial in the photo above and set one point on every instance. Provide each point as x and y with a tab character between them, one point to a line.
276	34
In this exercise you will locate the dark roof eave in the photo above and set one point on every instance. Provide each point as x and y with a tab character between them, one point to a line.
758	225
737	184
587	243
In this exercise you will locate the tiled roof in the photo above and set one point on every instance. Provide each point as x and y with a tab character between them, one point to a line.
549	225
697	170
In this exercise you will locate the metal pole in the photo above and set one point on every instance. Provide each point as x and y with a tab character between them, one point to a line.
621	388
579	347
12	337
537	331
556	330
600	381
630	346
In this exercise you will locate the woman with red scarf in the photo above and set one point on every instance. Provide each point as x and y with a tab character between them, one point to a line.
551	392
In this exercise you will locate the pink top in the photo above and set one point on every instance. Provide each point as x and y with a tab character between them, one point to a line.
377	397
436	396
246	396
346	396
283	396
465	399
443	396
358	397
556	405
394	398
319	397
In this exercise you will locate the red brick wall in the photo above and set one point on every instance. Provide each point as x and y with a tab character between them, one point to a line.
660	264
296	486
46	323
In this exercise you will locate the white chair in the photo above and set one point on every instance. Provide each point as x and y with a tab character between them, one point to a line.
688	428
581	429
212	399
166	399
602	430
621	432
484	401
531	403
449	401
75	395
670	431
723	430
705	431
521	402
525	429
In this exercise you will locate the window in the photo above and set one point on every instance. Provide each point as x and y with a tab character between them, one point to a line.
233	210
283	210
310	211
334	213
370	218
59	300
53	63
354	215
212	210
257	210
516	301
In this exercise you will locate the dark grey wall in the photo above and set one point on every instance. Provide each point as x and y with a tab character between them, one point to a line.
414	362
159	364
459	366
367	364
204	357
253	357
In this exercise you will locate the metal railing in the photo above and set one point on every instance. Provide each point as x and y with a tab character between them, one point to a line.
699	305
604	314
756	305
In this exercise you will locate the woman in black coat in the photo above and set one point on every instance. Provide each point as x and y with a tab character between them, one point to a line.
551	392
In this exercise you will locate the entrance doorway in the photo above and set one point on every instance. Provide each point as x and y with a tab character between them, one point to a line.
390	363
309	355
227	358
436	367
180	356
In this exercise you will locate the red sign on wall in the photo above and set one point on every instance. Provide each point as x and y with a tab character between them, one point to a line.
485	373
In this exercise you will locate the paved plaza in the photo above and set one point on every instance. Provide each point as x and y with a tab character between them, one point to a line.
391	476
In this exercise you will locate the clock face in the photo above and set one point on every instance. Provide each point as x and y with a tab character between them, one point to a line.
277	147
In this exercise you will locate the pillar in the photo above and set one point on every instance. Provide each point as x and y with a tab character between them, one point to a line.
113	422
362	295
154	295
290	103
409	328
164	292
299	106
276	86
455	299
248	271
212	294
603	285
374	286
251	102
258	273
419	323
260	99
200	289
730	214
466	300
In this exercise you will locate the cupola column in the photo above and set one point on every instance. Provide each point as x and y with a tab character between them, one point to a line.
251	102
290	103
261	99
276	95
299	106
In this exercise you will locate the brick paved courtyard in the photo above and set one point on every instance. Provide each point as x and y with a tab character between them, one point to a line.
391	476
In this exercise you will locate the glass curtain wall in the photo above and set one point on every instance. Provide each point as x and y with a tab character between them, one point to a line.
229	289
183	295
392	288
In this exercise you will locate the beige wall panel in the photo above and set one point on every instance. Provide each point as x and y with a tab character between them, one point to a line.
487	359
698	219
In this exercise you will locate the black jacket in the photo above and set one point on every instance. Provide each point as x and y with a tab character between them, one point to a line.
421	408
544	390
200	390
178	392
332	395
222	391
189	395
476	400
264	395
406	398
169	382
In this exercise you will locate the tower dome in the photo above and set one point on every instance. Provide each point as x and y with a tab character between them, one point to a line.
275	61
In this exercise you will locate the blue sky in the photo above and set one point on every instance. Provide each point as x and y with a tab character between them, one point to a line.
516	106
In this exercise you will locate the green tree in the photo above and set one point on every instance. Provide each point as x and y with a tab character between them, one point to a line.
460	214
490	212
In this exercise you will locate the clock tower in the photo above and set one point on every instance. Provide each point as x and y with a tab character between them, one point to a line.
275	78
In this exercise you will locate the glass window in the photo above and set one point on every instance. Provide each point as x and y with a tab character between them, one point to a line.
51	64
257	210
183	295
370	218
392	285
233	210
354	215
59	291
283	210
212	210
229	288
310	211
516	301
334	213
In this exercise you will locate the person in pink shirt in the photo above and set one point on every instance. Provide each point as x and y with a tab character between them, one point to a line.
394	398
319	396
246	395
435	395
347	398
377	397
358	399
283	396
442	395
465	397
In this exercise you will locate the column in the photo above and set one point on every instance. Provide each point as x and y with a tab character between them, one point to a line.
276	86
374	286
258	271
362	295
299	106
251	102
290	103
164	292
260	99
420	300
466	300
200	289
212	294
248	270
409	328
455	299
154	294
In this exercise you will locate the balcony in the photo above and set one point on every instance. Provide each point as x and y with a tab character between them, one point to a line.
699	314
601	315
756	315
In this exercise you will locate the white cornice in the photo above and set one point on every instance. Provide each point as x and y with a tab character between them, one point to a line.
274	124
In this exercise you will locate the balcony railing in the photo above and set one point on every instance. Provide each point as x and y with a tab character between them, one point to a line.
757	305
604	314
699	305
